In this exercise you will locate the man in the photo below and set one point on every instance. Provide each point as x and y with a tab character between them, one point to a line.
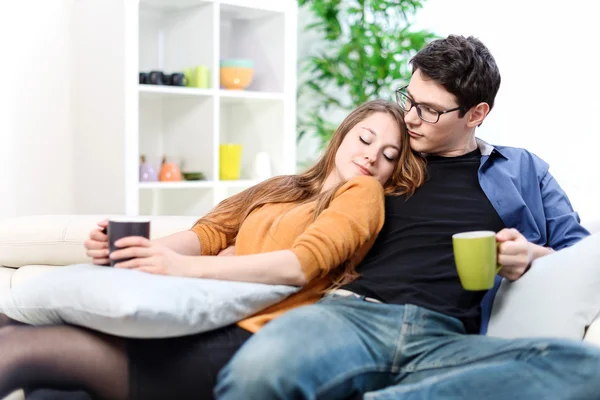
404	328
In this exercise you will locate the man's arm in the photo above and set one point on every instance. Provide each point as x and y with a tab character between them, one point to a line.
562	222
564	229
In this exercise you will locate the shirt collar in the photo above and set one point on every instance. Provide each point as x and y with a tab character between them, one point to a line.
487	149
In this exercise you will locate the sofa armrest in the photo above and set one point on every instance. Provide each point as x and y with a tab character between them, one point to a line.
58	239
592	335
593	225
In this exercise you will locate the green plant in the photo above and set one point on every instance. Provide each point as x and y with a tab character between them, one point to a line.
366	50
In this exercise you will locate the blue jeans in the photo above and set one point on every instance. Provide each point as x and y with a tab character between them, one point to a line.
344	348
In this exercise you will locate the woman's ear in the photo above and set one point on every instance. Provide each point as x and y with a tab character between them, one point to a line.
478	114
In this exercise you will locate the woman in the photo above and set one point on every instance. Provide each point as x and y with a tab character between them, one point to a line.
308	230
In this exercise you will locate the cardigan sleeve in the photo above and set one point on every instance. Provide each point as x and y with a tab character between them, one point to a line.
212	241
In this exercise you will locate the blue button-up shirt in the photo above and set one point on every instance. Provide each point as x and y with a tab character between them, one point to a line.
527	198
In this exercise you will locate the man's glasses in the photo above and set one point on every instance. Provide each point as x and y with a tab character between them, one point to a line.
425	112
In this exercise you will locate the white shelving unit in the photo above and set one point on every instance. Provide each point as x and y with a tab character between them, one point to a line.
118	119
198	184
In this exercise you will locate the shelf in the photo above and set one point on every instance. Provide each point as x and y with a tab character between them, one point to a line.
173	91
167	5
237	96
251	9
227	96
197	184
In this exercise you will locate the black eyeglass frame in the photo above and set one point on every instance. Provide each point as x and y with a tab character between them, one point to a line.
402	91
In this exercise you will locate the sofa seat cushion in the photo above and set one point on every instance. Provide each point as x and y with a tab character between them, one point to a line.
18	395
5	278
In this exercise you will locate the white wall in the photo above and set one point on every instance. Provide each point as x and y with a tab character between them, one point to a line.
104	105
539	57
64	60
35	139
544	50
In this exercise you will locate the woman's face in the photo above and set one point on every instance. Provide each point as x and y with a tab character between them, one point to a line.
371	148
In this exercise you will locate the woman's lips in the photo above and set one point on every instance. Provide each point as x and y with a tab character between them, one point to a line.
364	170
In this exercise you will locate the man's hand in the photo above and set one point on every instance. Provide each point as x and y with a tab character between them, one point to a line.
515	253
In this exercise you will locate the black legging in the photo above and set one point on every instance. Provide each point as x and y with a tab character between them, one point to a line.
55	394
82	361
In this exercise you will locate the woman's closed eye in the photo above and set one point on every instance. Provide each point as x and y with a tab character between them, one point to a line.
390	156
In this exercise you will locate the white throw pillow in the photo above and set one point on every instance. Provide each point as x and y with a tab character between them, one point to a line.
136	304
558	297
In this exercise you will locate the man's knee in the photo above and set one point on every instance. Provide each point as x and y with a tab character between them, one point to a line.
260	371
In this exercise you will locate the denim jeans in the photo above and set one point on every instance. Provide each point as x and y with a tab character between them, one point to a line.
347	348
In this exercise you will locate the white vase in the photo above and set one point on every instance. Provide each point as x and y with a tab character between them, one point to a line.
261	169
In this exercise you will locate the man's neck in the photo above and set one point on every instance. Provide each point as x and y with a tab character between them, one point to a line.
460	149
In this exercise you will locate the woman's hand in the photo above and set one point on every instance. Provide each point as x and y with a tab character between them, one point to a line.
148	256
96	246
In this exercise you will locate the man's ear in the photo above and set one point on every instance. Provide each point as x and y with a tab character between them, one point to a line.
477	114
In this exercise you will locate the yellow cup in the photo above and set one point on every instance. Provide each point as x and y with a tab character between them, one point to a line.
230	161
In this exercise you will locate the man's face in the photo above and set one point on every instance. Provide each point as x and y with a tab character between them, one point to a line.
450	136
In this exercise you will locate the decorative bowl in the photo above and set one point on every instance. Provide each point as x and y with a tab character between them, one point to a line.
236	74
193	176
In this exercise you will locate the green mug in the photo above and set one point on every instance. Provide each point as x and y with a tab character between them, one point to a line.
197	77
476	258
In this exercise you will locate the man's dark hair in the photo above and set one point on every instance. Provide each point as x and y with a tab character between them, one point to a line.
464	66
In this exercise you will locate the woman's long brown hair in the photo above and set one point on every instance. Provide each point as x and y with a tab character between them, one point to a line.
408	175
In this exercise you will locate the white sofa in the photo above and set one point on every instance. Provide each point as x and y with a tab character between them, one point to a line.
30	246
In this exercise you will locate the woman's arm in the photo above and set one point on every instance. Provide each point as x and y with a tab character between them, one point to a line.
353	219
185	243
276	268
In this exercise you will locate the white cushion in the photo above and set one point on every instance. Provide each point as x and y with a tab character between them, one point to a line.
135	304
558	297
28	272
58	239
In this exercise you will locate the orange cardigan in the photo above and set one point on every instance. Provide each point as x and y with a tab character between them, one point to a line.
345	230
